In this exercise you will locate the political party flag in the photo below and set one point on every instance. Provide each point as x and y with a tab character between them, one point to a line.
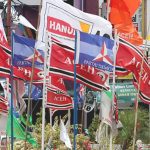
4	46
120	16
95	51
57	19
61	61
132	63
4	69
23	49
3	105
24	73
36	92
121	12
58	99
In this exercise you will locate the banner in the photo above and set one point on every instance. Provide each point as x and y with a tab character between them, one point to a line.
62	65
57	99
61	20
134	57
101	56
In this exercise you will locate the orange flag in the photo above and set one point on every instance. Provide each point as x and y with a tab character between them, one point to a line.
120	16
130	34
122	11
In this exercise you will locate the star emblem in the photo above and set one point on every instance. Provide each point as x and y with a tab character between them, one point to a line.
103	56
38	57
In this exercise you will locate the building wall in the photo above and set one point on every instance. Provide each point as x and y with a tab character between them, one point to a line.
91	6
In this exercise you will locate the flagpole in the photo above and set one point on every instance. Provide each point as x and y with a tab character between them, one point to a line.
115	48
139	84
46	69
29	97
75	96
12	90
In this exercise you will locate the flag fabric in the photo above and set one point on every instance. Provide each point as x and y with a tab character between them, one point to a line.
24	73
133	63
4	69
18	92
95	51
64	135
36	91
106	113
58	99
130	34
121	12
62	65
120	16
61	22
3	105
4	46
19	131
23	49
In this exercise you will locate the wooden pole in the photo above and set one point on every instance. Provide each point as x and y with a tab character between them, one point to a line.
8	20
139	84
29	98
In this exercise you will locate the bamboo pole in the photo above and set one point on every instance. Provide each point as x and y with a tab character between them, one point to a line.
29	98
139	84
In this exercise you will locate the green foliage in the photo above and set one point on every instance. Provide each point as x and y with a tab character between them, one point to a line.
93	127
127	117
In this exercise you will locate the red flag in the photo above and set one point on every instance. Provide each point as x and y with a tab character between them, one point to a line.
132	62
62	64
57	99
59	83
24	73
3	105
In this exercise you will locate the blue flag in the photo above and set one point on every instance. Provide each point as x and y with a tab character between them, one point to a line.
36	92
23	49
95	51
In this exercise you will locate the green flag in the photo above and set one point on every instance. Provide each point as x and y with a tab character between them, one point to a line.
19	130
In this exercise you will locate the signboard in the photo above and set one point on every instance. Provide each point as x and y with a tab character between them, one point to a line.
125	92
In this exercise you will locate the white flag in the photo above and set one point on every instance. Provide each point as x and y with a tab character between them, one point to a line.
64	135
57	19
106	108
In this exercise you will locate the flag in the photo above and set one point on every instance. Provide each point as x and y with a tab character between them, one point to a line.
130	34
4	46
24	73
64	135
19	131
58	99
23	49
106	113
121	12
132	63
62	65
61	22
18	92
4	69
36	92
95	51
120	16
3	105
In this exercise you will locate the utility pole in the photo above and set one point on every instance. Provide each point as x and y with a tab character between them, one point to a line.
8	20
